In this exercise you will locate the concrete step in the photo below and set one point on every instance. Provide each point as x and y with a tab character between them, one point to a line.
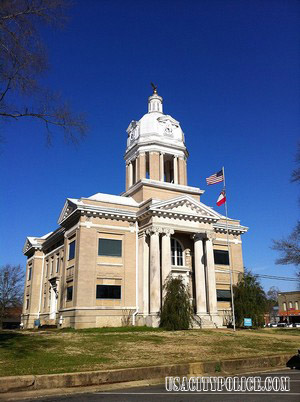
201	322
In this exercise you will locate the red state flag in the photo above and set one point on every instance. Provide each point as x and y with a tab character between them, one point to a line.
222	198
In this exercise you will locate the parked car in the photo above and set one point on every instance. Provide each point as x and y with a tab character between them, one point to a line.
281	325
296	325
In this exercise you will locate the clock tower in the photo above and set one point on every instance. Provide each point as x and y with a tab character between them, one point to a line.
156	155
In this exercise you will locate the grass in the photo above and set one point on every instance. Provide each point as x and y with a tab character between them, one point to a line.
69	350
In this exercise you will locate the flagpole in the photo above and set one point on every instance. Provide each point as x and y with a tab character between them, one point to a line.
229	257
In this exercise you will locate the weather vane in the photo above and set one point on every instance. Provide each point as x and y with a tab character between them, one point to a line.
154	88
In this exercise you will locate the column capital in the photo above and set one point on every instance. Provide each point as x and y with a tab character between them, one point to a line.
206	235
210	235
154	230
198	236
167	231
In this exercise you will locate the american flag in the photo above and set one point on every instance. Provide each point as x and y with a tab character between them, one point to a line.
215	178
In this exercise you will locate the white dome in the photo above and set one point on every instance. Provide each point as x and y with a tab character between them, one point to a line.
155	126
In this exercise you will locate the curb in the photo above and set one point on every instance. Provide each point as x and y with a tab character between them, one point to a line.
90	378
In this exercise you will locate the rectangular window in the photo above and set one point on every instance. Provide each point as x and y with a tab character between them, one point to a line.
221	257
296	305
57	263
72	250
27	304
108	292
29	273
110	248
223	295
47	267
284	306
290	304
52	266
69	293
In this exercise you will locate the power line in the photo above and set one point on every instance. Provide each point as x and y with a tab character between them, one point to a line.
279	278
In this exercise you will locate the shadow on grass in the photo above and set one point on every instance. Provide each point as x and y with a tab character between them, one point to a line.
106	330
20	345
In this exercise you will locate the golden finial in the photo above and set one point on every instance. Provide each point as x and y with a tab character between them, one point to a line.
154	88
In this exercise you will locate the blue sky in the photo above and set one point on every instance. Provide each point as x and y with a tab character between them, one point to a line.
227	70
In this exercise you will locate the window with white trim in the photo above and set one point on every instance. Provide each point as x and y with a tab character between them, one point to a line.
72	250
176	253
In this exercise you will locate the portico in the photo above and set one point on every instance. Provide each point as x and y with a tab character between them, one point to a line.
192	261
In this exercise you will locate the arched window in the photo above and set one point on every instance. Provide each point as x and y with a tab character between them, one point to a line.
176	252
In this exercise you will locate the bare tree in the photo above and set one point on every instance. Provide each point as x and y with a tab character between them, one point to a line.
23	61
290	246
296	172
272	294
11	288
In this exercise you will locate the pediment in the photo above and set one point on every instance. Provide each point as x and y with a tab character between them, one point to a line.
31	242
185	206
68	208
27	245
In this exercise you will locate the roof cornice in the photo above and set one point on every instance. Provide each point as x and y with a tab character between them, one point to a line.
163	185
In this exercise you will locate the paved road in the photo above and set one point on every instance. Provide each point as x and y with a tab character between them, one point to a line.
158	393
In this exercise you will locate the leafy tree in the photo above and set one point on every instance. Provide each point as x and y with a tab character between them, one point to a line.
24	60
290	246
176	312
249	300
11	288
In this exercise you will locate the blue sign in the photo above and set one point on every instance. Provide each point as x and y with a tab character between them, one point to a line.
247	322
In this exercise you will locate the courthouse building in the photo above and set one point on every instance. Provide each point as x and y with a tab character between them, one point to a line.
107	261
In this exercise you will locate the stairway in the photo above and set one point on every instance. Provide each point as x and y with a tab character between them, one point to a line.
203	322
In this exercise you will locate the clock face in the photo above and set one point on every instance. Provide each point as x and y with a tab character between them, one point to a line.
168	128
135	132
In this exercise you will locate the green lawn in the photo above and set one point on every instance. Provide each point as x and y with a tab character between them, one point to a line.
69	350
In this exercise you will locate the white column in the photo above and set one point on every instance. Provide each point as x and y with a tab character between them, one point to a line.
161	163
175	168
166	254
53	303
154	272
200	283
130	171
211	276
146	275
136	169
